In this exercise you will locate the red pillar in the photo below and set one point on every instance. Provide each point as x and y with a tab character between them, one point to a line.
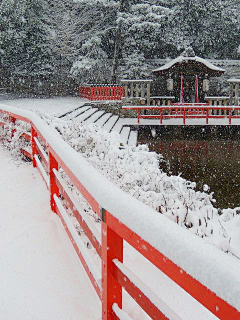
196	90
53	188
34	146
91	93
182	87
12	120
112	248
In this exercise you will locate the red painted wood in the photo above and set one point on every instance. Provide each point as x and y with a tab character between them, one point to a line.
196	89
12	120
26	136
81	221
207	298
113	233
34	145
26	153
185	112
95	285
53	188
37	166
42	158
112	248
92	202
102	92
39	135
143	301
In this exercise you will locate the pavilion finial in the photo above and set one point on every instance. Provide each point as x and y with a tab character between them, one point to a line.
188	52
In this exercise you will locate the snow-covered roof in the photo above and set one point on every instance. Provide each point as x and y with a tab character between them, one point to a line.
182	59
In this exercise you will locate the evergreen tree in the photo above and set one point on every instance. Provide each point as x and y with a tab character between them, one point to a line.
25	38
93	36
209	26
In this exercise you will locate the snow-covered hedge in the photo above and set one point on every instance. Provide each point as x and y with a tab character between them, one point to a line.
137	171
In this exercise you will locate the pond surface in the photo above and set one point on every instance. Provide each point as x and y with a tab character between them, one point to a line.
211	158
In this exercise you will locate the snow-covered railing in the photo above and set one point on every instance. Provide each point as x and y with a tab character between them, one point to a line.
206	273
186	111
102	92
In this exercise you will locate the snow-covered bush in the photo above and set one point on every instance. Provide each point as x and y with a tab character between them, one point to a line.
137	171
11	136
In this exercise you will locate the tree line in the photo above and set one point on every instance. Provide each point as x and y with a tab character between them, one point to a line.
78	41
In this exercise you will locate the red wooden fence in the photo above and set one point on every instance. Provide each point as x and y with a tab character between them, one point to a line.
115	275
187	111
99	92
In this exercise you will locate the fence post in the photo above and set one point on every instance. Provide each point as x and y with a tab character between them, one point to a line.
34	146
112	248
94	93
12	120
53	188
230	115
91	93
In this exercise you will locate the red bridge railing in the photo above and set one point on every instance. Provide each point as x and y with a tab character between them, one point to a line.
186	111
116	209
102	92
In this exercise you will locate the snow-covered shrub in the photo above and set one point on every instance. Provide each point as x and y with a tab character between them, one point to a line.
137	171
11	136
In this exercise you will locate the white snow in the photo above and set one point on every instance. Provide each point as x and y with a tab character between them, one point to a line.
205	262
147	291
54	106
82	248
181	59
234	80
40	277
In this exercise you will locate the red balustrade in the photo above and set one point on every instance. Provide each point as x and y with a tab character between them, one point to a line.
101	92
187	111
115	275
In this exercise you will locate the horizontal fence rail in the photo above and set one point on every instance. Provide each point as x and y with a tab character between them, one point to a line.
186	111
102	92
63	169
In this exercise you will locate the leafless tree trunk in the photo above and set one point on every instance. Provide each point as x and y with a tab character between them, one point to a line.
117	47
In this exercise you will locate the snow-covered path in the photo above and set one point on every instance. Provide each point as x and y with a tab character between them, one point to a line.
40	275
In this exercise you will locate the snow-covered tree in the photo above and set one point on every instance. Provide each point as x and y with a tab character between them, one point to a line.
25	36
211	27
95	23
144	27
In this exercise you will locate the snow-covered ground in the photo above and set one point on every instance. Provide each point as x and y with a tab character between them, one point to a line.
177	193
54	106
40	276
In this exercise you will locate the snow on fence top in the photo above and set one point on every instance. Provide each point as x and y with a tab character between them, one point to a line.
210	266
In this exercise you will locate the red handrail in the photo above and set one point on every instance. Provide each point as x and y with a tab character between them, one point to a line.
115	275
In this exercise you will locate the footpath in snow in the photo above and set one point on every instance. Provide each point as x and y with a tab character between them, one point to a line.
41	277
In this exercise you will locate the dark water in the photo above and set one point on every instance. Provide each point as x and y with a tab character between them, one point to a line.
211	157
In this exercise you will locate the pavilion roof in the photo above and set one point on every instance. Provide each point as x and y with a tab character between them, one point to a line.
189	65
